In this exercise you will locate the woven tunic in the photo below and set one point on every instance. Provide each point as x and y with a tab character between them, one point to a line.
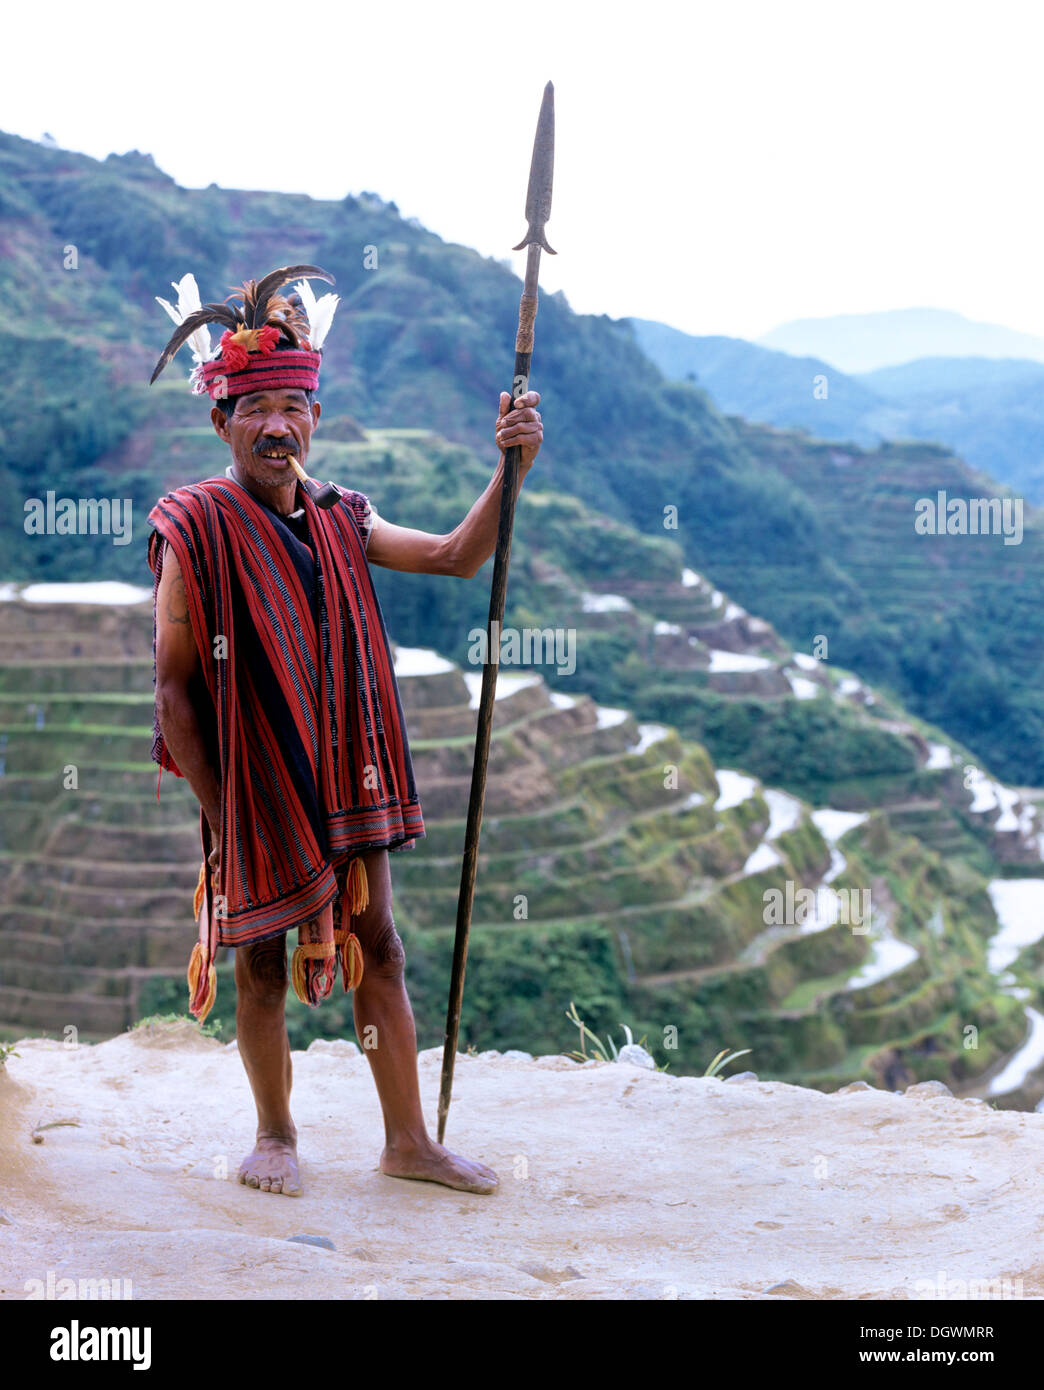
305	718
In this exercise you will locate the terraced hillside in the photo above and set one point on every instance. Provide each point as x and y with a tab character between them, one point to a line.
620	869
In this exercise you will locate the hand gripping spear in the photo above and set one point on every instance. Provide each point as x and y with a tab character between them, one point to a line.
538	210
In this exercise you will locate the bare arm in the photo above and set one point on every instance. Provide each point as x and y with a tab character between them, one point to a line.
464	550
177	660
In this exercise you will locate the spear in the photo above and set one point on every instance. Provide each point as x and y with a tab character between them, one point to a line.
538	210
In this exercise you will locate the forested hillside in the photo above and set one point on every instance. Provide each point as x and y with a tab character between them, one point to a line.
818	540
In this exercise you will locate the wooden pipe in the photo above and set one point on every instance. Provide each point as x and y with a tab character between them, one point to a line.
324	495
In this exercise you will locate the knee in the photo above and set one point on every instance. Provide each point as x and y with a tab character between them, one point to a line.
261	973
383	952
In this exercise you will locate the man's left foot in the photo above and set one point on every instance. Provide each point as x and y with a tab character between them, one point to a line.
433	1163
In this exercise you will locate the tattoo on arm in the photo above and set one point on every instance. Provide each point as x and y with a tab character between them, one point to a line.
177	602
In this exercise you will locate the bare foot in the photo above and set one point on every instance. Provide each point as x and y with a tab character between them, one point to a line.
430	1162
272	1167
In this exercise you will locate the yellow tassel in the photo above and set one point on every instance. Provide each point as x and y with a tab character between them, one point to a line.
195	965
355	961
357	887
197	899
208	1003
351	958
314	950
297	975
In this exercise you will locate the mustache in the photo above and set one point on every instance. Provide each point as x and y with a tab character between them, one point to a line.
269	442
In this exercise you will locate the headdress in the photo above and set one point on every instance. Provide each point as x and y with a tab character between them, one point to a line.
272	341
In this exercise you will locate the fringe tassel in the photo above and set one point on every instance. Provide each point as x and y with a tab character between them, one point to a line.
350	950
197	898
357	887
312	971
208	1003
200	1002
195	968
355	898
297	975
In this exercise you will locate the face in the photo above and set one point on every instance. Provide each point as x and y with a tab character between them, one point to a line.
263	429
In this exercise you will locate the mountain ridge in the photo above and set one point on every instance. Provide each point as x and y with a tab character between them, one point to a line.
856	343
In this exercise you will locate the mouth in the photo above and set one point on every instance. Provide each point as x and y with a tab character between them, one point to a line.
277	455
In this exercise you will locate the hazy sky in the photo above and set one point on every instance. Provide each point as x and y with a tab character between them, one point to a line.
722	167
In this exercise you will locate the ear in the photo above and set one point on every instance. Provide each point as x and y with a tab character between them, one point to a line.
217	419
317	410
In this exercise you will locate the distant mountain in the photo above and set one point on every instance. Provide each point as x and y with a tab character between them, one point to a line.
760	384
864	342
989	410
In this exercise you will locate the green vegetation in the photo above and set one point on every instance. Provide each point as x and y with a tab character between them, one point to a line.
718	1064
818	540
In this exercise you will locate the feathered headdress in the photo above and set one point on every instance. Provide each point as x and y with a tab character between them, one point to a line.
271	340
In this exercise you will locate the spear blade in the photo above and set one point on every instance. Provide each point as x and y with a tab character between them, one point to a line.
541	175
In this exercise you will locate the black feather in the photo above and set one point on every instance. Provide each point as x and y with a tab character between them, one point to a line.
275	280
210	313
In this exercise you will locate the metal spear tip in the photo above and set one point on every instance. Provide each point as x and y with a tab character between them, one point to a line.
541	175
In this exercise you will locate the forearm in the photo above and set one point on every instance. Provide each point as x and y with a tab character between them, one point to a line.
475	539
185	743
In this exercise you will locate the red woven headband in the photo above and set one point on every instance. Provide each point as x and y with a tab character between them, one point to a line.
283	370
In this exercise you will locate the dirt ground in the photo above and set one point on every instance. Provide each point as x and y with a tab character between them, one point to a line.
616	1182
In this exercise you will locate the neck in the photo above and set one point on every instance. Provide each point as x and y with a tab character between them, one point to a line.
281	497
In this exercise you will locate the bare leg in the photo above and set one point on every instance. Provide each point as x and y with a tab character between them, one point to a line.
261	982
384	1024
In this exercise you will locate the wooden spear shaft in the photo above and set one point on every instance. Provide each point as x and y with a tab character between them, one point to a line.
538	206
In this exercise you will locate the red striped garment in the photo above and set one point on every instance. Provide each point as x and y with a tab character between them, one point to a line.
310	739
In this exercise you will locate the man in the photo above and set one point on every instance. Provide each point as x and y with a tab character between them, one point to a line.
276	699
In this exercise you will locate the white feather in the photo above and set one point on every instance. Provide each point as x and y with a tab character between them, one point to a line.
188	303
320	313
304	289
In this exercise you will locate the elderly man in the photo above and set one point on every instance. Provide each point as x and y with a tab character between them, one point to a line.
276	699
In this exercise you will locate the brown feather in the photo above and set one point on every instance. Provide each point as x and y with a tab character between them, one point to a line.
288	314
276	279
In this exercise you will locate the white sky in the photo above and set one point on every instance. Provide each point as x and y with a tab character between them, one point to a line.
723	167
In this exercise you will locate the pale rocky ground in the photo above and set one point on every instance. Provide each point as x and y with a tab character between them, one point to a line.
616	1182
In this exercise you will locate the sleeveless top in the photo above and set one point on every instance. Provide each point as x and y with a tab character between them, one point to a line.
310	740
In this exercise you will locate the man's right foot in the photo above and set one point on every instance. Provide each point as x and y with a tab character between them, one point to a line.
272	1167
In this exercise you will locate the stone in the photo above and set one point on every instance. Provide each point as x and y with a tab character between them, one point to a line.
334	1047
790	1288
925	1090
637	1056
514	1055
323	1242
743	1076
854	1086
